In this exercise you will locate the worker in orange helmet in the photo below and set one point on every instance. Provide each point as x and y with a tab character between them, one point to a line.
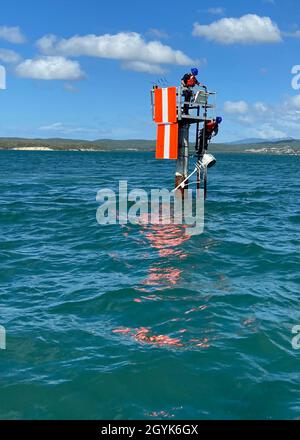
188	81
211	129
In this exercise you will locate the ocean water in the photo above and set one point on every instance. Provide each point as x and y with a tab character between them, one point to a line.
143	321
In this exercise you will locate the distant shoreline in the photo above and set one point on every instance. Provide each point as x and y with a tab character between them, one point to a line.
288	147
251	151
71	149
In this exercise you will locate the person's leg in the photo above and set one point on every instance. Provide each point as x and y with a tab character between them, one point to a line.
207	140
187	97
200	142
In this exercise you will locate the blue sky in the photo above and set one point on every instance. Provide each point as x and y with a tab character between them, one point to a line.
83	69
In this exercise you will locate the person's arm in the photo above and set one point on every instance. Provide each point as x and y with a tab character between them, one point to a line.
201	85
216	130
184	79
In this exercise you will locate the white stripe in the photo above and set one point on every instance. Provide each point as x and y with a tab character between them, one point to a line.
165	107
167	142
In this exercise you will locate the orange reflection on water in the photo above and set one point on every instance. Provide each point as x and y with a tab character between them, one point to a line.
166	239
160	275
144	335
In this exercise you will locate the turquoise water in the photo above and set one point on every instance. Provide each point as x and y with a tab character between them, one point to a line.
83	304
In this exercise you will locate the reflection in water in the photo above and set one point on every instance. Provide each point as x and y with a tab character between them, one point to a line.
166	239
159	276
165	273
143	335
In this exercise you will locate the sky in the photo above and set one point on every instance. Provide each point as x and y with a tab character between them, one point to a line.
84	69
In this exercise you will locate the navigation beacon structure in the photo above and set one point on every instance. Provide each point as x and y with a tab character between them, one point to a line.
174	118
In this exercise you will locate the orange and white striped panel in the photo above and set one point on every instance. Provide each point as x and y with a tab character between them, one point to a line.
167	141
165	106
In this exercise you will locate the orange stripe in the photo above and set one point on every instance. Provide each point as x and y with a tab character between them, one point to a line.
174	141
172	110
160	142
158	106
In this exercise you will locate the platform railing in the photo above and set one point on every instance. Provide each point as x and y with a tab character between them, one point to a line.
200	102
199	105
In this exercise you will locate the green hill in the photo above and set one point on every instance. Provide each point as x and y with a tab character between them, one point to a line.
281	147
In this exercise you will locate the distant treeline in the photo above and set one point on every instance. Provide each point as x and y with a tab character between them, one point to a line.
288	147
77	144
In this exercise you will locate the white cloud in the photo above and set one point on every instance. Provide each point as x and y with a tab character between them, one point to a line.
55	126
9	56
267	121
12	34
260	107
71	129
295	102
247	29
61	127
216	11
295	34
124	46
70	88
267	131
246	119
236	107
140	66
50	68
158	33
